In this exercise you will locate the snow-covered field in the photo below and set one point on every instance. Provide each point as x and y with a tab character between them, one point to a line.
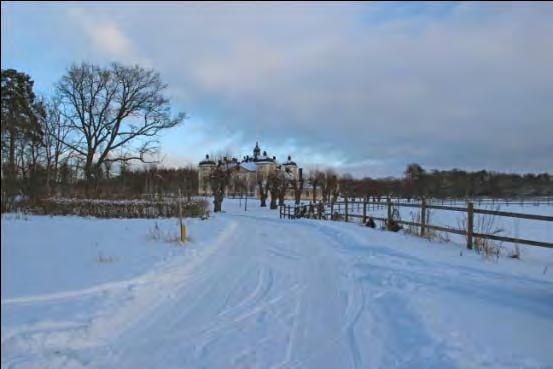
250	290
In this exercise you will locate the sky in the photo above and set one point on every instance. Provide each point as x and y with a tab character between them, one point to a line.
365	88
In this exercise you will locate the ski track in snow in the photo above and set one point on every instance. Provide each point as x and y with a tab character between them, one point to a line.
271	293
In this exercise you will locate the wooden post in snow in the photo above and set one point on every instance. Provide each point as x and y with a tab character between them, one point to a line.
346	205
423	216
389	216
470	224
365	210
182	226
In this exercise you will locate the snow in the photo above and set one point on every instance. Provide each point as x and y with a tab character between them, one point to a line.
249	166
249	290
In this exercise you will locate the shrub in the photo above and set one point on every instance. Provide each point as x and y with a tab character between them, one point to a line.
119	208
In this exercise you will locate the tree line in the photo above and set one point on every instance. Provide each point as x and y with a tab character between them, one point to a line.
455	183
416	182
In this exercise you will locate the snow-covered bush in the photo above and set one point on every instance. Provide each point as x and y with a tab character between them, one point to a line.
162	208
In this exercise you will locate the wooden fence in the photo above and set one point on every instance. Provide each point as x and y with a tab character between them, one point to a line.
320	211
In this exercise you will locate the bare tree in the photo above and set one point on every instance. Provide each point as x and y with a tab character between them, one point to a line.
285	184
316	177
297	186
277	184
347	185
114	113
55	133
219	179
414	180
263	187
328	183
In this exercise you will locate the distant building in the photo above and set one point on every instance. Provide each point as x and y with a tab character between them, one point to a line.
249	169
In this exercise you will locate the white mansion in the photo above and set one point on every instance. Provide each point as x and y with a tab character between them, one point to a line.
247	171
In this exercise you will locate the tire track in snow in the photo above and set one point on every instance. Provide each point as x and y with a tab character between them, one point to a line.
263	286
352	311
63	341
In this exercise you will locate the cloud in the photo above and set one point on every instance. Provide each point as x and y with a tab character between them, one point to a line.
369	87
104	35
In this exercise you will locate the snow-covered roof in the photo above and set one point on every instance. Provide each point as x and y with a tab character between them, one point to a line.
290	162
248	165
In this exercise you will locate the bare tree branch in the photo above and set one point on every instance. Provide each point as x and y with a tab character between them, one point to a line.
111	109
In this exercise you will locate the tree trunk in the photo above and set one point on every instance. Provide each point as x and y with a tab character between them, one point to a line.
217	202
262	196
281	200
298	189
12	172
274	197
88	176
11	158
48	175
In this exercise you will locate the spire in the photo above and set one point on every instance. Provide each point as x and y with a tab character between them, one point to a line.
256	150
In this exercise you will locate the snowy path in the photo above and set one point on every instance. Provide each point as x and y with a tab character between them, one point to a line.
271	293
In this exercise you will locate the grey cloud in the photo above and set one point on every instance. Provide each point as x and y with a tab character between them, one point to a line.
370	87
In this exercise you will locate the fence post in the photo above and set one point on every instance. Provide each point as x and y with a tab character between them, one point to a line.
389	216
331	210
280	211
346	205
365	210
423	216
470	224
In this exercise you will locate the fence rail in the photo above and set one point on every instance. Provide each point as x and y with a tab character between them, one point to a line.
319	211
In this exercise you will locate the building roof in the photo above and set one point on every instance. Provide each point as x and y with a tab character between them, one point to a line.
290	162
248	165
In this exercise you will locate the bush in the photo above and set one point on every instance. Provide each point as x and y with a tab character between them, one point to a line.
370	223
119	208
393	225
